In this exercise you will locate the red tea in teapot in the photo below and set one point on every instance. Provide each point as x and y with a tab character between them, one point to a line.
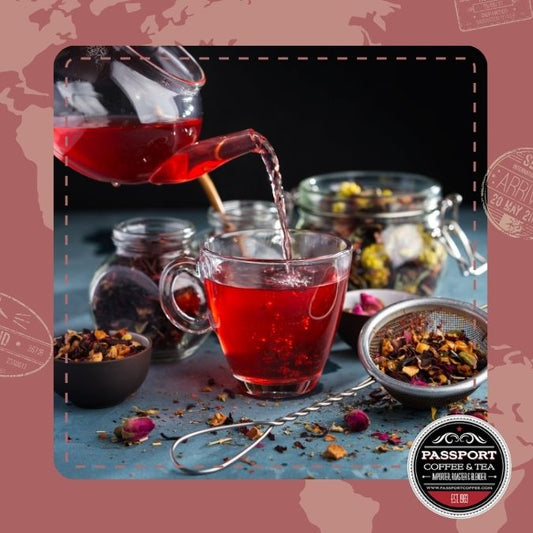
122	147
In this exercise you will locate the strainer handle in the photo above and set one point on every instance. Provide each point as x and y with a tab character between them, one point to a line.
270	425
330	400
451	233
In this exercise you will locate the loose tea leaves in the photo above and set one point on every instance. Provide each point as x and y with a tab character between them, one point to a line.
433	358
95	346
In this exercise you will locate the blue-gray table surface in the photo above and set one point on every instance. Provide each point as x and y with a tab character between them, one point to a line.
186	393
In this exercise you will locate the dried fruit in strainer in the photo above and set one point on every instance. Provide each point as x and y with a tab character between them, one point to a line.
433	358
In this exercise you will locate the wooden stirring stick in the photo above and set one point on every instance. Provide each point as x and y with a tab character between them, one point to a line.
211	191
214	198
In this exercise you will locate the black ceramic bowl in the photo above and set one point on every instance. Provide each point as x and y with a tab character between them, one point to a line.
350	324
105	383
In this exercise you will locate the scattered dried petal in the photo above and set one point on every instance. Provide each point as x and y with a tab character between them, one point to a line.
224	440
315	429
145	412
390	438
217	419
253	433
479	413
334	452
394	439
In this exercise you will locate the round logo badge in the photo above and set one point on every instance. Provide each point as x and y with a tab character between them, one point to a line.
459	466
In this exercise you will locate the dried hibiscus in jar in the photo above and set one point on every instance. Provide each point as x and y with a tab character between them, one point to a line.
124	291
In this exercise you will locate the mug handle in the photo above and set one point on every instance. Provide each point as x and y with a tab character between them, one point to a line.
183	267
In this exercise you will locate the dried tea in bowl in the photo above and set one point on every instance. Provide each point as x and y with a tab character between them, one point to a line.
95	346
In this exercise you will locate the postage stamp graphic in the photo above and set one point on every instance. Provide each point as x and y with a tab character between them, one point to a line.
508	193
478	14
25	342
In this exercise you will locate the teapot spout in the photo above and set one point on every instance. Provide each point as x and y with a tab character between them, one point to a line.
202	157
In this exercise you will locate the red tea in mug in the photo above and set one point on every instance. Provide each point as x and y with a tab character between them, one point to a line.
276	336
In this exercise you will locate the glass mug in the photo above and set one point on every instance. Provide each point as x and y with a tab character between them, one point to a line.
275	319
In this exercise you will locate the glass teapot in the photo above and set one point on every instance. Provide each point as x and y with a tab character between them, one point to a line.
133	114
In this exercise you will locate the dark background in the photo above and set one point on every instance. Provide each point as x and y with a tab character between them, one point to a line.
324	116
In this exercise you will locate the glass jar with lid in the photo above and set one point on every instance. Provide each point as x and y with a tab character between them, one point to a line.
124	291
401	228
244	214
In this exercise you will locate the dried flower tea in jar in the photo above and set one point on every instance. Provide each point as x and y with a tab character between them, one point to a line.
393	220
124	291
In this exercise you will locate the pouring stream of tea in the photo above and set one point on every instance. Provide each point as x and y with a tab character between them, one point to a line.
202	157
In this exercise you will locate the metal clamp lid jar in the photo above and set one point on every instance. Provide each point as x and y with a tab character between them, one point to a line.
401	228
124	291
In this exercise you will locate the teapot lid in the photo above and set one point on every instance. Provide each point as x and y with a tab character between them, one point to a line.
173	62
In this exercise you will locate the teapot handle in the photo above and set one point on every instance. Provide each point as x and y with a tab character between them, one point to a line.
470	261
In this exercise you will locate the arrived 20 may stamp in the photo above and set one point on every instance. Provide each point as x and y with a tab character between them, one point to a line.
478	14
508	193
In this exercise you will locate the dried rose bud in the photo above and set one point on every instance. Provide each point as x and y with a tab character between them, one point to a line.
134	429
356	420
368	305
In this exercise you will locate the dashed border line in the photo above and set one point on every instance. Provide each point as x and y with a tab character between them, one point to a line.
66	242
321	58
